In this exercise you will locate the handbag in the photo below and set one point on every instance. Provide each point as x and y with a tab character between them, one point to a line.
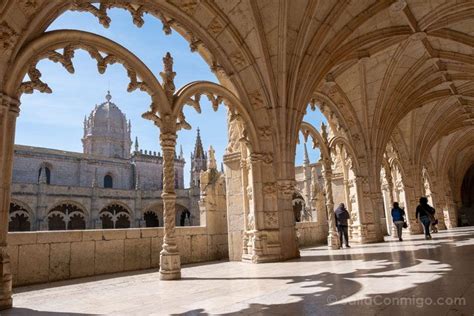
405	225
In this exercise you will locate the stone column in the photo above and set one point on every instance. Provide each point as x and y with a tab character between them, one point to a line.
170	261
236	217
333	238
95	220
9	109
245	200
390	186
214	212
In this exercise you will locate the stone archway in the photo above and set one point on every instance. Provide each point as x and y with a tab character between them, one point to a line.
20	217
66	216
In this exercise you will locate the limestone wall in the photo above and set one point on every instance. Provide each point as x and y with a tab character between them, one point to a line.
311	233
40	257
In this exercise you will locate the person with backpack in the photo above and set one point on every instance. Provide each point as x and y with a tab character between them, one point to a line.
342	217
398	218
425	214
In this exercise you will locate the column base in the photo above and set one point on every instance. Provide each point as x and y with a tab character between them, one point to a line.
394	231
365	233
6	304
5	280
249	258
264	246
333	240
170	266
415	228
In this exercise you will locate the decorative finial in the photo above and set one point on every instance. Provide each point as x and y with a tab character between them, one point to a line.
136	143
168	76
212	159
108	96
324	132
181	155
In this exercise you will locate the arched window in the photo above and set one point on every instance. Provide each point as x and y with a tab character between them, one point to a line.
66	217
298	206
114	216
19	219
151	219
108	181
185	218
176	179
48	174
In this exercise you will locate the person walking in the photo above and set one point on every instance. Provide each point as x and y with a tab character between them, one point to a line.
342	217
425	214
398	218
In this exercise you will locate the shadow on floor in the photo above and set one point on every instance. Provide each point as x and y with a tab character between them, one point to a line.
30	312
417	269
401	284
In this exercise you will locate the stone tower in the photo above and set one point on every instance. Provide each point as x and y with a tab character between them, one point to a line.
198	161
107	132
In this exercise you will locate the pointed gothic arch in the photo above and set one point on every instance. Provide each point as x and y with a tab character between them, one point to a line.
67	216
115	215
20	217
47	46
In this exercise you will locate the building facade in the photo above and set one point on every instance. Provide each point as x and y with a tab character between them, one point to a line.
108	185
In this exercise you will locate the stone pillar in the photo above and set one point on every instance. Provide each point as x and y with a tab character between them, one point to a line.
170	261
236	218
213	210
9	109
390	187
95	220
333	238
41	211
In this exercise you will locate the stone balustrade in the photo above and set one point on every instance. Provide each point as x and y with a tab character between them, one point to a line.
311	233
46	256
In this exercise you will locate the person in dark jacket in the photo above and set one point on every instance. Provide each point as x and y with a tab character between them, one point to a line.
342	217
398	218
424	214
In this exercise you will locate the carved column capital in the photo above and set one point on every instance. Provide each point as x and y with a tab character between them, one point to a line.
13	105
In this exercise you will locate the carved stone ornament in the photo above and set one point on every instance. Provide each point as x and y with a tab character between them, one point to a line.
270	188
266	158
8	37
270	219
286	188
65	59
35	83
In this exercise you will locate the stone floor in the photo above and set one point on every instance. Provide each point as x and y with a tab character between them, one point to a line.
434	277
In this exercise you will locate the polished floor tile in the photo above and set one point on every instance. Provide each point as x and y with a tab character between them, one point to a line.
416	276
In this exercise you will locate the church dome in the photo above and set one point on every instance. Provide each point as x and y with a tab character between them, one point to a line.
107	117
106	132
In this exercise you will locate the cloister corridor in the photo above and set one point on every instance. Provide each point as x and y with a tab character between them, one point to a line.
435	277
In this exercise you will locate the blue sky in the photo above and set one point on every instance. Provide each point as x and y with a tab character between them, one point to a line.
55	120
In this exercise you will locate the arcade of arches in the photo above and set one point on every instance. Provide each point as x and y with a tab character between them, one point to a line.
394	78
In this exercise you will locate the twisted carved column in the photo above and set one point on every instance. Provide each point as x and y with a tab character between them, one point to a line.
9	110
333	240
170	262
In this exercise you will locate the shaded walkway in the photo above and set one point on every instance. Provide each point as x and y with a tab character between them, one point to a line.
415	276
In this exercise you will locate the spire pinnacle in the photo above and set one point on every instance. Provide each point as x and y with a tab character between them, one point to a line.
136	143
198	149
306	156
181	155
